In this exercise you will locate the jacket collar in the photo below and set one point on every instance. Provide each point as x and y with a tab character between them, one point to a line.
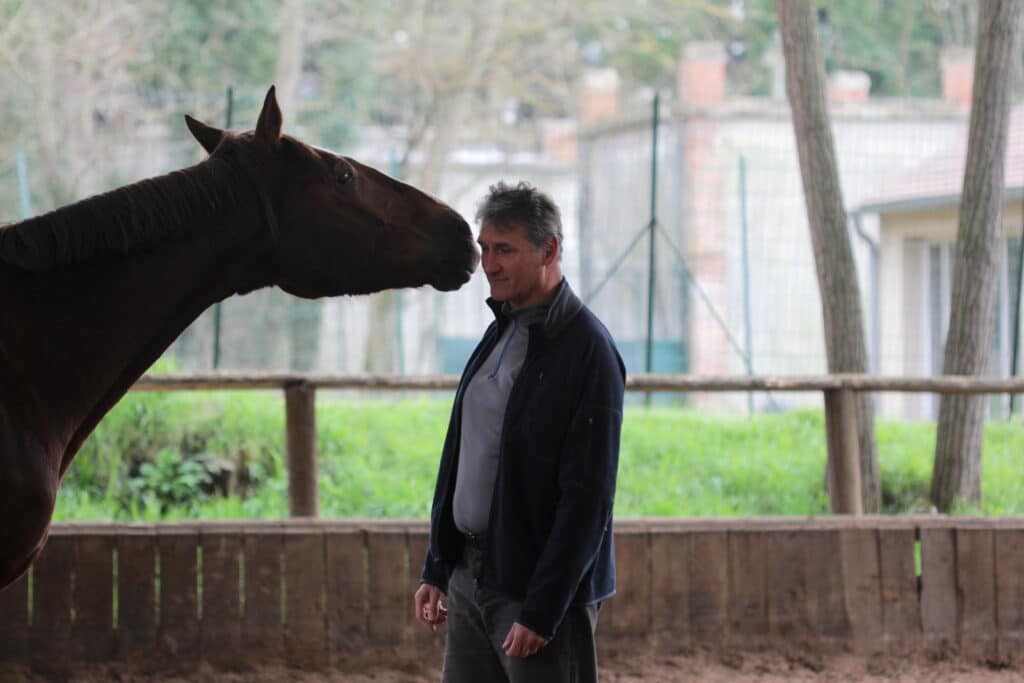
563	309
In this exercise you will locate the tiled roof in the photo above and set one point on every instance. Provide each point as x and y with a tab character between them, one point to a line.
938	181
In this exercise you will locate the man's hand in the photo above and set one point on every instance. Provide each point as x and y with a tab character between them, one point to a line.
522	642
430	610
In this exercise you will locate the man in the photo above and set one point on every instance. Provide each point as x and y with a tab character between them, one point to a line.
521	525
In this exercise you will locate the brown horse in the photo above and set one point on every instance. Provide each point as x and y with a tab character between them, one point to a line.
91	294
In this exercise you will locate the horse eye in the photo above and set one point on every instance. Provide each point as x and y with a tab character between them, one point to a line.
344	177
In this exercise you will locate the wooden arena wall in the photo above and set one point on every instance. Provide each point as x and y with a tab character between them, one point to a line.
312	594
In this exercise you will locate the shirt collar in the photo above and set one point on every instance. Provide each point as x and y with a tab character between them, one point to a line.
556	315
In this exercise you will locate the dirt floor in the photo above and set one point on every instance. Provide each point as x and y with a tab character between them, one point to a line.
764	667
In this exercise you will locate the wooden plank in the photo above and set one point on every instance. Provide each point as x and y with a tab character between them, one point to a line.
415	633
632	613
305	609
300	449
670	586
14	624
53	578
708	596
826	602
92	635
786	587
388	569
862	588
976	586
938	587
220	629
347	590
136	594
901	604
892	565
748	603
262	633
178	625
1009	553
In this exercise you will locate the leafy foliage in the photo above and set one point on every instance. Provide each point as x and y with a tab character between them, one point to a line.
179	455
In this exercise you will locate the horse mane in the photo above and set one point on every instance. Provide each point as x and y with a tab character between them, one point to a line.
127	220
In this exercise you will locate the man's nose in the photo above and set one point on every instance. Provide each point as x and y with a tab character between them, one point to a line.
489	264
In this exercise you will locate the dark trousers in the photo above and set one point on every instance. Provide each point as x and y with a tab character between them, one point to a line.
478	622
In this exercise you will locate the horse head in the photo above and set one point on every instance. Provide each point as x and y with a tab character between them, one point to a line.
339	226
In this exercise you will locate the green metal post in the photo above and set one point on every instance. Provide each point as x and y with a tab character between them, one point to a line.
746	278
217	307
651	275
399	332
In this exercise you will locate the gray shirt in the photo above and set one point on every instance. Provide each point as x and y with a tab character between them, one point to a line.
483	413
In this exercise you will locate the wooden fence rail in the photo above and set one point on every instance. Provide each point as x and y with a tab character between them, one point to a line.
839	391
312	594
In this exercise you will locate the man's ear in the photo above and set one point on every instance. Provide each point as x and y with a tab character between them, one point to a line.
551	250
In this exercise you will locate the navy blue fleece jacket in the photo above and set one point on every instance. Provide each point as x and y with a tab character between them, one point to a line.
549	535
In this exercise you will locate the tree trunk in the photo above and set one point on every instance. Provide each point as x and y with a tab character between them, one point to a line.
303	315
957	471
44	105
440	134
382	334
833	255
290	46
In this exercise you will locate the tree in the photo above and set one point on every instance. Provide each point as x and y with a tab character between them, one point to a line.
302	316
957	470
833	255
64	66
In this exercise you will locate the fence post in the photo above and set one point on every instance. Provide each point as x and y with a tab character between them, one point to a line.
843	451
300	449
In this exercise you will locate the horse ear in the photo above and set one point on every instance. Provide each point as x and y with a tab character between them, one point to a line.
268	128
208	136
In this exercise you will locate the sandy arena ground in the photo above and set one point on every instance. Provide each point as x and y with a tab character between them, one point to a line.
763	667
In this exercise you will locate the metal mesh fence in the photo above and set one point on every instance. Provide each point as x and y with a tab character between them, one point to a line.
736	285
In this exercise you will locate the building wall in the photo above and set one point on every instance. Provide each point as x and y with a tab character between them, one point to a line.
703	203
910	345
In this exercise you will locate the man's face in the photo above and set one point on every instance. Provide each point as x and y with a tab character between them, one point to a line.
513	265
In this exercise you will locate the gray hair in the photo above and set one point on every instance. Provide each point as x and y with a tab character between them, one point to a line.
505	206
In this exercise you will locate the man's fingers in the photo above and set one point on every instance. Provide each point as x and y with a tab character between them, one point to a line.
518	642
420	607
512	641
429	610
522	642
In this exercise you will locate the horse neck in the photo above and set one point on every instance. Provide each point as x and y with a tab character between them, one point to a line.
82	336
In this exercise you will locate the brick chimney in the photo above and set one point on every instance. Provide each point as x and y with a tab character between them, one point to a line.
702	74
558	140
848	86
957	65
598	97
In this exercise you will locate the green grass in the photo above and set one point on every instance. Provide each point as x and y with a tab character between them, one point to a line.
157	457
